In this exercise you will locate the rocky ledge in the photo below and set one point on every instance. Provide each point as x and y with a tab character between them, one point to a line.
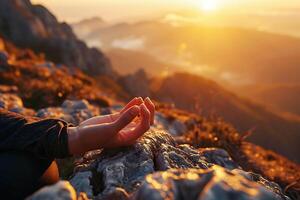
156	167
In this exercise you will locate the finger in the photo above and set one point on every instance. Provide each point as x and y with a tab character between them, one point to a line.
134	102
126	117
144	123
151	108
100	119
129	137
112	117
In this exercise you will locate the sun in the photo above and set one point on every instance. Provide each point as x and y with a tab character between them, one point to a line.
208	5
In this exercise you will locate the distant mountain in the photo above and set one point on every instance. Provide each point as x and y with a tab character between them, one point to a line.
282	97
86	26
34	27
128	61
94	21
205	97
236	55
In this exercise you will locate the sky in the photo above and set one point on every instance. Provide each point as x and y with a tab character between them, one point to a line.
122	10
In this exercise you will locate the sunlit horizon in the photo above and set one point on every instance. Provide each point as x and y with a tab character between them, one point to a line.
134	10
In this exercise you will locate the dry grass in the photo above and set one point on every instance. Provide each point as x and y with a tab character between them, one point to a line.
216	133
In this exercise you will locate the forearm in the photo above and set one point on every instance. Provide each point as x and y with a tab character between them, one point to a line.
43	138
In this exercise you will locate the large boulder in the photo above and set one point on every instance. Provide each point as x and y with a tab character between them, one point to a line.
158	168
33	26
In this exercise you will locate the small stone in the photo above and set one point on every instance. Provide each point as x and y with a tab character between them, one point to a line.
10	101
62	190
81	182
3	58
8	89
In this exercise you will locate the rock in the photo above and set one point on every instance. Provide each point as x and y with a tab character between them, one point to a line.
34	27
70	111
3	58
136	84
14	103
203	184
8	89
177	128
262	181
122	171
47	65
219	157
60	191
81	181
9	101
76	105
184	173
176	122
2	45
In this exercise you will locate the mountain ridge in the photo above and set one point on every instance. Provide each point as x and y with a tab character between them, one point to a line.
34	27
207	98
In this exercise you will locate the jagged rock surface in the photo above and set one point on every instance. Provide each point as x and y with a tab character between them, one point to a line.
121	173
209	184
126	168
33	26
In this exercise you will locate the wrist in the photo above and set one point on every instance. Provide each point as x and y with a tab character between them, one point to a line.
74	141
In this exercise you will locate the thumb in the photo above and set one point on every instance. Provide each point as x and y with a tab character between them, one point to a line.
127	117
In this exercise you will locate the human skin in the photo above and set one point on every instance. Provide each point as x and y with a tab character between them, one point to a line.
115	130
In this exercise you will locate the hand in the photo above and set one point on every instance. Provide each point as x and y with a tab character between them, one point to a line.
116	130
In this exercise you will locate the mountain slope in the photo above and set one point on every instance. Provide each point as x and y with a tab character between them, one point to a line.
282	97
34	27
237	55
129	61
50	85
205	97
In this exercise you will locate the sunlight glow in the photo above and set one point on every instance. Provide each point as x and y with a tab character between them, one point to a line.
208	5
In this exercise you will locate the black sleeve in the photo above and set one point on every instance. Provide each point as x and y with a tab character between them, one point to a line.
46	138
